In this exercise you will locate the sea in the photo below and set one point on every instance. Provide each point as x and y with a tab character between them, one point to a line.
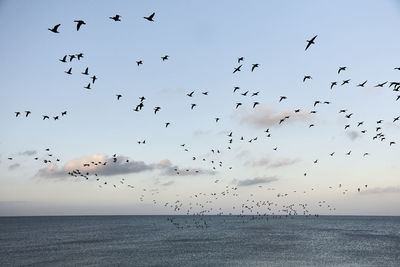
200	241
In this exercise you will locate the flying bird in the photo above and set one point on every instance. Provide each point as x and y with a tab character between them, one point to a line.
307	77
362	84
310	42
69	71
282	98
254	66
27	112
333	84
140	62
341	69
116	18
86	72
79	24
64	59
156	109
88	86
55	28
150	18
240	59
118	96
237	69
164	57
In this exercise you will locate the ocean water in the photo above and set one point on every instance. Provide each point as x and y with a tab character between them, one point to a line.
199	241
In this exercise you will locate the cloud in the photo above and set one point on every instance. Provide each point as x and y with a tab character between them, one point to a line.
257	180
123	165
268	163
28	153
262	117
14	166
353	135
381	190
168	183
284	162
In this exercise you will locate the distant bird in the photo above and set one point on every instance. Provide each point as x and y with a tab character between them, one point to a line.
79	24
193	105
333	84
164	57
397	68
235	88
156	109
27	112
396	119
255	94
64	59
245	93
55	118
94	78
71	57
63	113
362	84
349	115
79	56
217	119
17	113
341	69
255	104
55	28
150	18
331	154
345	81
205	93
360	123
392	143
346	126
237	69
317	102
118	96
282	98
86	72
167	124
381	84
240	59
307	77
69	71
45	117
254	66
190	94
88	86
310	42
238	104
116	18
140	62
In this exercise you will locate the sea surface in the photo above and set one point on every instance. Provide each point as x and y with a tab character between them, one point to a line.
199	241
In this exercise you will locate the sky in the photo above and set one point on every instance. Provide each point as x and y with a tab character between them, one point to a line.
203	40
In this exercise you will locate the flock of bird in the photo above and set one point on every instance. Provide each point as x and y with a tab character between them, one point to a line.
204	203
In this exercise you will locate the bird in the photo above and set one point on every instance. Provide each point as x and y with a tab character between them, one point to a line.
164	57
317	102
69	71
150	18
217	119
193	105
245	93
17	113
79	56
362	84
167	124
140	62
240	59
236	88
156	109
205	93
63	113
116	18
27	112
94	78
360	123
237	69
341	69
254	66
333	84
55	28
392	143
396	119
345	81
45	117
79	24
255	94
255	104
55	118
64	59
190	94
238	104
86	72
381	84
397	68
118	96
88	86
307	77
310	42
282	98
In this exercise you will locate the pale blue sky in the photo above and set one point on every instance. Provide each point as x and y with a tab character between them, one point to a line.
204	40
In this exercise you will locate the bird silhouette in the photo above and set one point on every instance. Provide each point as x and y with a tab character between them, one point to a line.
254	66
237	69
381	84
116	18
45	117
255	104
118	96
140	62
156	109
69	71
86	72
79	24
333	84
341	69
345	82
88	86
17	113
190	94
311	41
150	18
307	77
240	59
64	59
94	78
27	112
55	28
164	57
238	104
282	98
362	84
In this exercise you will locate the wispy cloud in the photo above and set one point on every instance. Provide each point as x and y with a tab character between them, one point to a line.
14	166
382	190
262	117
269	163
123	165
28	153
257	180
353	135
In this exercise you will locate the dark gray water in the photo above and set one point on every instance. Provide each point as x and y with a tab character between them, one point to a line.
228	241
